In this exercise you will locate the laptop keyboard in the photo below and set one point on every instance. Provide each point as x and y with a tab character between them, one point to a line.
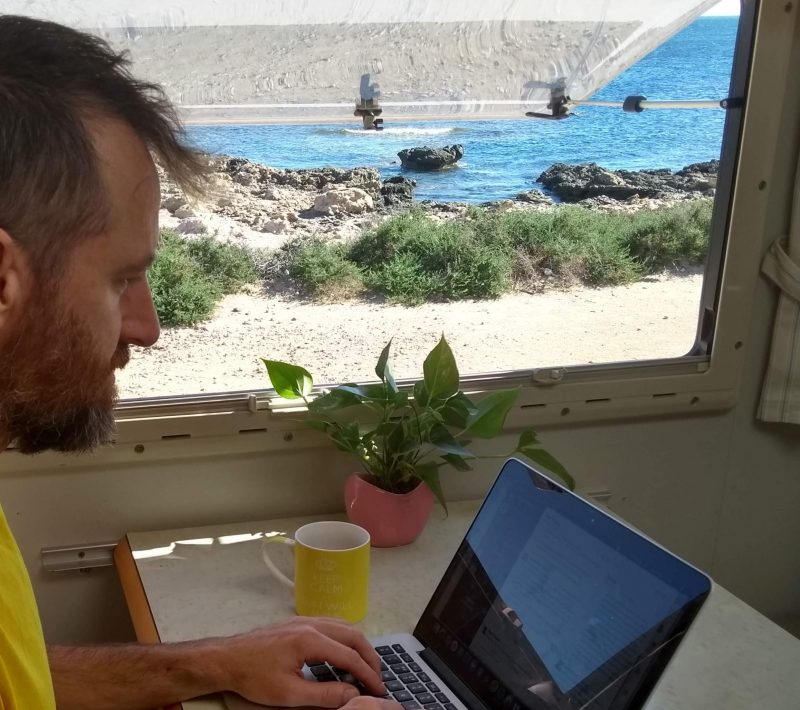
404	680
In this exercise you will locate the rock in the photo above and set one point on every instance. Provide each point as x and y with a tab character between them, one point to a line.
185	211
173	202
397	190
271	193
709	167
535	197
574	183
499	205
350	200
272	226
243	178
192	225
426	158
367	179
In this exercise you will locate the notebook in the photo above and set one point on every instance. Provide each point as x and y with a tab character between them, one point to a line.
548	603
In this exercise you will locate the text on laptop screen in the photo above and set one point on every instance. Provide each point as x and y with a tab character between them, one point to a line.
551	603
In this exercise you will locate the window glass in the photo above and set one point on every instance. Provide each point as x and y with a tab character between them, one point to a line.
546	241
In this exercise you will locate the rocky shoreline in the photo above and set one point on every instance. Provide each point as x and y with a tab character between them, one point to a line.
262	207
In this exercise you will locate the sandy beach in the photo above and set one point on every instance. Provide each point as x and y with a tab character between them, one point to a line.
653	318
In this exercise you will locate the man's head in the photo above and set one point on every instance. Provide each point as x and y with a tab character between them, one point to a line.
79	202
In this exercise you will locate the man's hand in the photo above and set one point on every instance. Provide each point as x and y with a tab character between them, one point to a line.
364	702
265	666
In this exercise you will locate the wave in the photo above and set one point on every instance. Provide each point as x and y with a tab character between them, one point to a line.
399	131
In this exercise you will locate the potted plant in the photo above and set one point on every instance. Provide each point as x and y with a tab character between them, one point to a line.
402	437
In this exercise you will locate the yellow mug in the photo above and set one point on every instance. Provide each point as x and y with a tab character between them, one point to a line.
331	569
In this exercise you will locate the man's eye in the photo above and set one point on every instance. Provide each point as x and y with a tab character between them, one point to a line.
128	280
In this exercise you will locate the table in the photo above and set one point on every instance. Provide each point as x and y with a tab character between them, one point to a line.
732	658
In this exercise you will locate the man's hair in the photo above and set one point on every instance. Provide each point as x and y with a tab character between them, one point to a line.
52	80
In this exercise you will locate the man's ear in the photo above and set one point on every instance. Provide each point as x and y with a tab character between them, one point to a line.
13	276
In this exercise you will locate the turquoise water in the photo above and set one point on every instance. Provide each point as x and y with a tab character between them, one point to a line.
503	158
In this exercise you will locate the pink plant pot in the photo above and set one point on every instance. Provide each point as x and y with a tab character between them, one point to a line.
391	519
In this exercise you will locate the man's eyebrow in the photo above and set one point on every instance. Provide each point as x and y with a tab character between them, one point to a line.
142	264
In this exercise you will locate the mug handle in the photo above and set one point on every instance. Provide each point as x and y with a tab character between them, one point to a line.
280	576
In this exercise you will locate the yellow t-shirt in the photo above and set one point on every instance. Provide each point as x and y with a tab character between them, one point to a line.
25	682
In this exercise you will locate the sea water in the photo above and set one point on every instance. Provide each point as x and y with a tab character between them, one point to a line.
503	158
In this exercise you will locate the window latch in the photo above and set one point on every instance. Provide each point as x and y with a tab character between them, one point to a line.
548	375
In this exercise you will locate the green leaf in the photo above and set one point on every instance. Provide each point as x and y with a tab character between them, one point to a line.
420	394
527	438
333	401
429	473
490	414
440	372
397	438
319	425
443	440
346	437
420	426
384	368
290	381
457	462
456	410
379	393
550	462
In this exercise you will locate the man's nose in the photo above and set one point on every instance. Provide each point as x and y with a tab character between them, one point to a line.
140	324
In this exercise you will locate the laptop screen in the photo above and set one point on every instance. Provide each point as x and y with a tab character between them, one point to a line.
551	603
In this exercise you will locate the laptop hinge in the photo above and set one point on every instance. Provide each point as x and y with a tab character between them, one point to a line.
465	695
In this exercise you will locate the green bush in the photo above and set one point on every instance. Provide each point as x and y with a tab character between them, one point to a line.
610	248
188	277
412	258
320	269
403	279
662	238
231	266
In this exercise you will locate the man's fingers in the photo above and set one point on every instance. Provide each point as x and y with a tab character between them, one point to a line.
323	695
318	645
352	637
364	702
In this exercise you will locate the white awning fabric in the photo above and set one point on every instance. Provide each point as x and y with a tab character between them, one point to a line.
313	59
780	397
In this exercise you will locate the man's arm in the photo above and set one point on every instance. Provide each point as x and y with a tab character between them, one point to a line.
262	666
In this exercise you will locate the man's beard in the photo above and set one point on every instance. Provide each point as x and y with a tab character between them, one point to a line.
55	391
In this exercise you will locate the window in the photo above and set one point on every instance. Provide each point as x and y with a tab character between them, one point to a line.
622	284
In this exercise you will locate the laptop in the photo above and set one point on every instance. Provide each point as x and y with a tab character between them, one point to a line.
549	603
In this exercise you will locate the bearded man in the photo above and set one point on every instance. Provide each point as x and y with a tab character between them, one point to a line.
79	202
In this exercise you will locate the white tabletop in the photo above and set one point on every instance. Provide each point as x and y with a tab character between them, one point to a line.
732	658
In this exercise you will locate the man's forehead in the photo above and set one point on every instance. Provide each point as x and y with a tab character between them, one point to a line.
125	161
132	192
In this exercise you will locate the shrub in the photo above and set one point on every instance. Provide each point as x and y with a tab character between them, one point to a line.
412	258
182	293
229	265
552	240
188	277
320	269
403	279
662	238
